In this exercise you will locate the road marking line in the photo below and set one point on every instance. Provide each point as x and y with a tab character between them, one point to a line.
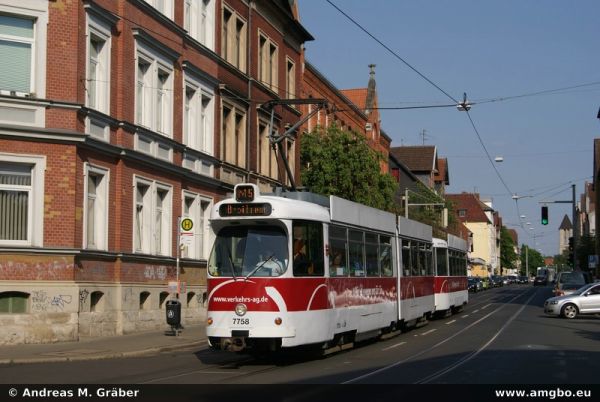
464	316
428	332
450	322
475	311
422	352
393	346
486	306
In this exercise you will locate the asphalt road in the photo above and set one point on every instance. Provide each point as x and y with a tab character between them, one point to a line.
502	337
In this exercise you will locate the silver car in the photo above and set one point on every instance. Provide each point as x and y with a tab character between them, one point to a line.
585	300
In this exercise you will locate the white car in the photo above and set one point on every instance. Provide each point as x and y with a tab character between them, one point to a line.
585	300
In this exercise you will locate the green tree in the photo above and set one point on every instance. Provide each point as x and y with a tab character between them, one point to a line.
507	249
534	257
338	162
586	246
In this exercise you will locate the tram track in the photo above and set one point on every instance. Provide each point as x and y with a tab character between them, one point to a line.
365	377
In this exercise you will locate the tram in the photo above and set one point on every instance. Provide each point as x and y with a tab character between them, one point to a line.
296	268
450	284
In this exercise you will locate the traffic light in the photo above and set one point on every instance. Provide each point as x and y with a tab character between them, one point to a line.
544	215
571	243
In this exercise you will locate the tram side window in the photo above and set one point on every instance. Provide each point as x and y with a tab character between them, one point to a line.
308	249
427	267
385	256
357	253
338	251
406	260
371	254
415	260
441	261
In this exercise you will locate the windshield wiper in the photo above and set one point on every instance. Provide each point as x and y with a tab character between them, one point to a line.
259	267
232	264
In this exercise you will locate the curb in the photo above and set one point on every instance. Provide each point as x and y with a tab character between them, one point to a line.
101	356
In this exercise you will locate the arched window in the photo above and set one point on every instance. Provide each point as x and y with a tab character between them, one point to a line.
190	299
13	302
96	301
145	301
163	299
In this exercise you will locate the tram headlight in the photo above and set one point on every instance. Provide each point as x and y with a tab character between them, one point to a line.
209	321
241	309
278	321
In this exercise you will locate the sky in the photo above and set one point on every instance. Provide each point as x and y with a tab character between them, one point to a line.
489	50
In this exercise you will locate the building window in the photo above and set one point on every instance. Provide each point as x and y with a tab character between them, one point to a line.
145	301
13	302
21	200
267	157
197	208
98	68
96	208
154	92
97	302
164	6
162	300
233	39
198	118
199	17
290	80
234	135
16	53
462	213
152	218
267	62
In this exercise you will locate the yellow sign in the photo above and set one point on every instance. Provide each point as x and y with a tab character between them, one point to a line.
187	224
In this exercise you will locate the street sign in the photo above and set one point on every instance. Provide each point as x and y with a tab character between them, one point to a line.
186	232
187	224
592	261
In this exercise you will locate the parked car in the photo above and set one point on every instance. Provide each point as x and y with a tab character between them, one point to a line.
486	283
522	279
472	285
540	281
568	281
513	279
585	300
475	284
497	281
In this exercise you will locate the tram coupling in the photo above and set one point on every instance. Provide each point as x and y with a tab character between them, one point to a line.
233	344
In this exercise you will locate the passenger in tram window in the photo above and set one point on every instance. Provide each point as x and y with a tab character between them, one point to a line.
337	267
301	265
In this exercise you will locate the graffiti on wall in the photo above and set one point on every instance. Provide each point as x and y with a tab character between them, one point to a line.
155	272
51	269
83	295
42	302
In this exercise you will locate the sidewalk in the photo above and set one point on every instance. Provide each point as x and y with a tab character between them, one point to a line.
139	344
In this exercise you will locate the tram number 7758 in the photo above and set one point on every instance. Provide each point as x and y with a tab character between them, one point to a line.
241	321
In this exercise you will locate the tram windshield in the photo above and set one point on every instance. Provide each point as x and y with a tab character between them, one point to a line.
249	251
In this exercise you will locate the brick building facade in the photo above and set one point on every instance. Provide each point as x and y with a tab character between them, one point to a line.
116	119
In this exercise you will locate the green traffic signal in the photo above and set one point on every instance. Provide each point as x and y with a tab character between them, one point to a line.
544	215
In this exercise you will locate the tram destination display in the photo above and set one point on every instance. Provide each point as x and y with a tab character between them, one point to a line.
263	209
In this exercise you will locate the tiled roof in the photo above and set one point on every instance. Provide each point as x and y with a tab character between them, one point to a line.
474	209
442	174
416	158
357	96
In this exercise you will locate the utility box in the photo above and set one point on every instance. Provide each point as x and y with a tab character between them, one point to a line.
173	313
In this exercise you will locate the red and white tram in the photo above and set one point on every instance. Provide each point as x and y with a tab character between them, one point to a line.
297	268
450	264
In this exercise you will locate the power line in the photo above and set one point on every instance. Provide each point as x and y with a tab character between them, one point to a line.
392	52
487	153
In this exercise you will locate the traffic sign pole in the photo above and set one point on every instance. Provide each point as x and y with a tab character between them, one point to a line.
178	252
